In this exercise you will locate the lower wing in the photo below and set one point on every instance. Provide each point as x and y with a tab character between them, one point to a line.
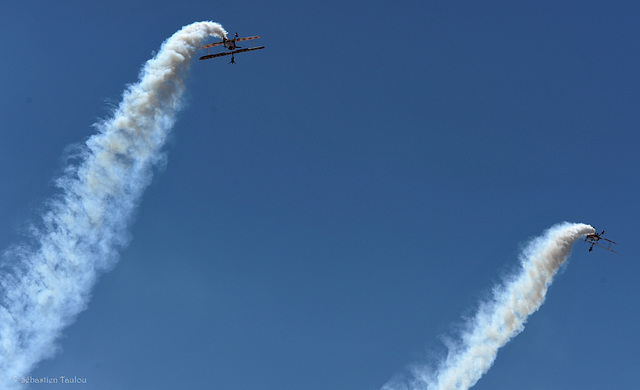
226	53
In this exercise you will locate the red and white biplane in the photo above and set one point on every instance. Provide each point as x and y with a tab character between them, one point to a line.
230	44
597	240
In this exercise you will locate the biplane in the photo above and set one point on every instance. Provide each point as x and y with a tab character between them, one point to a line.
230	44
596	239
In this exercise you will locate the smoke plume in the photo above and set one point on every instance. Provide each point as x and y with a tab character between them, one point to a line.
502	317
45	284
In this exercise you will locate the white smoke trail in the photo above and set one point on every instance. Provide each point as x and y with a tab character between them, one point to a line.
44	285
503	317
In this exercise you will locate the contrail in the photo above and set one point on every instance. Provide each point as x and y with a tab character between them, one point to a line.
46	283
502	317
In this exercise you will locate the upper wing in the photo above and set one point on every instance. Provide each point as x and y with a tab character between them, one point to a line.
247	38
211	45
237	40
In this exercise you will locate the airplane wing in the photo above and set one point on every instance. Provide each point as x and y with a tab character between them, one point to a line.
208	56
247	38
226	53
601	242
248	49
237	40
211	45
605	246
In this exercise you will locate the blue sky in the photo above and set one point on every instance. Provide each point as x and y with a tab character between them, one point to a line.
334	205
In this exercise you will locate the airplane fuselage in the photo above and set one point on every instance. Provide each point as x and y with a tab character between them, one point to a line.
230	44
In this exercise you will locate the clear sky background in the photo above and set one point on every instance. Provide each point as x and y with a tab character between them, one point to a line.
333	206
